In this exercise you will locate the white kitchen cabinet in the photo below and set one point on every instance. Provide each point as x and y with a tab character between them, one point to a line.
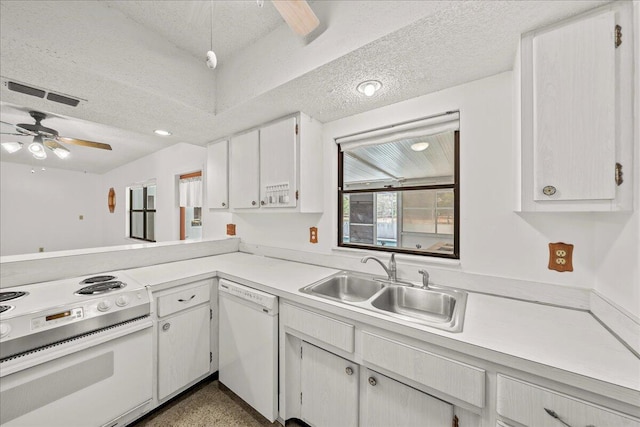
218	175
532	405
183	336
278	165
576	110
244	170
329	386
183	350
386	402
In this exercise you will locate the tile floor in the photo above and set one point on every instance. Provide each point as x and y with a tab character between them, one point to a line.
208	404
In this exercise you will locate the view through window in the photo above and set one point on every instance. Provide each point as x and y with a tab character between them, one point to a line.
397	191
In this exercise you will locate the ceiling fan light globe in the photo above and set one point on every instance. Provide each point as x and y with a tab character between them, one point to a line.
61	152
420	146
35	148
40	155
12	147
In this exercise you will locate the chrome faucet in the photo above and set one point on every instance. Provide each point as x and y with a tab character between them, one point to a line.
390	270
425	278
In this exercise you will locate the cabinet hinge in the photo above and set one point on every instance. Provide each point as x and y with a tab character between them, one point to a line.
619	174
455	421
300	352
296	129
301	398
618	35
297	194
210	314
210	357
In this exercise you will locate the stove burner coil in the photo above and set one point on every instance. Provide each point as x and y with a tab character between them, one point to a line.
5	308
11	295
96	279
101	288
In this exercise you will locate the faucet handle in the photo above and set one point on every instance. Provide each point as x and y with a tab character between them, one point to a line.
425	278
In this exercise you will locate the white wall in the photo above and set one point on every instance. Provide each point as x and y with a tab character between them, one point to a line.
495	241
165	166
618	236
42	209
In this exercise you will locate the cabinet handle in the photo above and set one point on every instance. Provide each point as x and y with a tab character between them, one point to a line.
187	300
549	190
166	326
224	204
372	381
262	202
553	414
349	370
253	203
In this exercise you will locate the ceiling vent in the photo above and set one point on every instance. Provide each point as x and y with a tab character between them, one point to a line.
40	93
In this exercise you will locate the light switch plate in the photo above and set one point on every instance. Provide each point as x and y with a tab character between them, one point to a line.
561	256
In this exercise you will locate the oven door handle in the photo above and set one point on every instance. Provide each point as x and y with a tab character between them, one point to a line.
73	345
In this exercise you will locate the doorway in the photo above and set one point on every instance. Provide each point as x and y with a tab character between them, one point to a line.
191	206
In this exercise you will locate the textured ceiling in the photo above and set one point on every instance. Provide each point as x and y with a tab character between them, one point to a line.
138	65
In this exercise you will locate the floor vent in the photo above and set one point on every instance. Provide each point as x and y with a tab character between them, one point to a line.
40	93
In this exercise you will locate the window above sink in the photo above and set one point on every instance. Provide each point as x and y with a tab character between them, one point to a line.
398	188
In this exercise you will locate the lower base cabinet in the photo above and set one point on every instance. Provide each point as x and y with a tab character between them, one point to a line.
183	349
386	402
338	392
329	386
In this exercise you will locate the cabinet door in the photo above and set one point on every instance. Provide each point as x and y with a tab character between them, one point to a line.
329	386
183	349
217	175
385	402
244	168
278	158
574	110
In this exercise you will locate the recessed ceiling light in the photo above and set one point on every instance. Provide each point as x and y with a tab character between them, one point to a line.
369	87
162	132
12	146
420	146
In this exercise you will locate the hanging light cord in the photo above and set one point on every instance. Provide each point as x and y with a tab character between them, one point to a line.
212	25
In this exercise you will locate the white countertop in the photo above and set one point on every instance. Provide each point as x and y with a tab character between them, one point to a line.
563	341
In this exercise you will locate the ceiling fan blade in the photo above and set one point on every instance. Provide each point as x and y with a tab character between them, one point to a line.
298	15
15	130
84	143
51	144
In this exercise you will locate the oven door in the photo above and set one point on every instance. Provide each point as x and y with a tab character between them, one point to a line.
90	381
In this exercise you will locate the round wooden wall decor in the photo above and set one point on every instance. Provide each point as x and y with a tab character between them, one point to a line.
112	200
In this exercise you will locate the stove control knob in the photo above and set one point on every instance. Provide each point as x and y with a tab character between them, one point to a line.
4	329
122	300
104	305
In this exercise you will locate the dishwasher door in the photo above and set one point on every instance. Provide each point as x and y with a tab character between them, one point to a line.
248	346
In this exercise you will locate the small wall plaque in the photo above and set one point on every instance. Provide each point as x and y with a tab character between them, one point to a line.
111	200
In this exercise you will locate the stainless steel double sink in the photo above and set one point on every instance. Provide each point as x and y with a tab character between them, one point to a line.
436	307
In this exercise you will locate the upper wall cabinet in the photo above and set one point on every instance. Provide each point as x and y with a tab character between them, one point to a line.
244	174
278	166
217	175
575	93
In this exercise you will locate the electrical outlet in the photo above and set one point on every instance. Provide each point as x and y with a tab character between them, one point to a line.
231	229
313	234
40	249
561	256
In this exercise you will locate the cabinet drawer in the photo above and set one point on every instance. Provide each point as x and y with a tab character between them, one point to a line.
449	376
330	331
526	403
185	297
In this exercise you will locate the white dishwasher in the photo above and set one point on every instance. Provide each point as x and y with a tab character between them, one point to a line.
248	346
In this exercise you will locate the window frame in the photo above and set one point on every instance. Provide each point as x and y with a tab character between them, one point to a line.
144	212
455	186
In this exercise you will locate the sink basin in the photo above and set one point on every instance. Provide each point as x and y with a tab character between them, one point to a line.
346	287
425	304
441	308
